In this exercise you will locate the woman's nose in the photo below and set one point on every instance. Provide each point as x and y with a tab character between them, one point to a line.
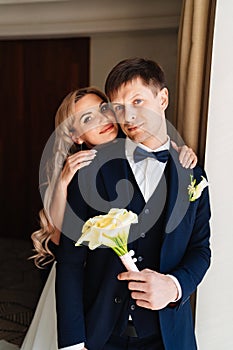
102	118
107	115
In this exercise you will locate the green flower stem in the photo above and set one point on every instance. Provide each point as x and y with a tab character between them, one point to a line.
120	246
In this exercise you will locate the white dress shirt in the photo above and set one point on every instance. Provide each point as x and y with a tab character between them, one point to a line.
146	169
143	171
74	347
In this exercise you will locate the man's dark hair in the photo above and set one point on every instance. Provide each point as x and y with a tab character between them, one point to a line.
125	71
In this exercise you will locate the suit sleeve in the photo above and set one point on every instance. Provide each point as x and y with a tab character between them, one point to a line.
196	259
70	272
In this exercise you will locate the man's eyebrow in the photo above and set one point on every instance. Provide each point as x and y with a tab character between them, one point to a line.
135	95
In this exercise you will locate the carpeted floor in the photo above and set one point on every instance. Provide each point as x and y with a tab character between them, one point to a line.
20	287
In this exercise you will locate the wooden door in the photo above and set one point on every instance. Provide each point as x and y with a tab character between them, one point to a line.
35	75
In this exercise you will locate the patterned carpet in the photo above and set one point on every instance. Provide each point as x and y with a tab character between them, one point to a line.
20	286
14	321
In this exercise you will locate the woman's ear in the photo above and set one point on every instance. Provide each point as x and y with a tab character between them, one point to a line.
164	98
76	139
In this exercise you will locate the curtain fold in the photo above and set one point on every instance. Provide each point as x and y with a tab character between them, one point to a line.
195	39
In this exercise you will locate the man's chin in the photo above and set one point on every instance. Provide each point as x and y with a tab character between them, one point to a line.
135	136
138	137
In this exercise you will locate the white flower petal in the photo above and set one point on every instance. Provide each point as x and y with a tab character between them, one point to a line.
196	191
111	230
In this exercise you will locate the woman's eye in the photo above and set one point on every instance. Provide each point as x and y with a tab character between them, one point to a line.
87	119
104	108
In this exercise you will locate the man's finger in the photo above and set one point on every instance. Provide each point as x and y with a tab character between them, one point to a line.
143	303
138	286
131	276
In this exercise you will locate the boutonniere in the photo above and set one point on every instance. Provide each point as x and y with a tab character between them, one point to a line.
111	230
195	191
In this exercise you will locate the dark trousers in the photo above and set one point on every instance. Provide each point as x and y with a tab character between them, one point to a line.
128	343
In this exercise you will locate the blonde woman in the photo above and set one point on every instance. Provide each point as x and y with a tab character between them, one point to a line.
83	118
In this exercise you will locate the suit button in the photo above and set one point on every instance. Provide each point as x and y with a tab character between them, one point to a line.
117	300
143	235
132	307
147	211
140	258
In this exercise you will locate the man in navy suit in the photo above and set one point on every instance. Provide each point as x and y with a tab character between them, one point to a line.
99	305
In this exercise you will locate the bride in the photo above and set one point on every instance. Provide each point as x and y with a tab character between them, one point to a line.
94	113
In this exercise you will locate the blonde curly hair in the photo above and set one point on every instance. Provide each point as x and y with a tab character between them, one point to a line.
63	147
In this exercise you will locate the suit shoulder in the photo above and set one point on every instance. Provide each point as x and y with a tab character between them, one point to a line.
111	150
198	172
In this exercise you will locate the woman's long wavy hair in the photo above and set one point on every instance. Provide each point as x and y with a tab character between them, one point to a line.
62	148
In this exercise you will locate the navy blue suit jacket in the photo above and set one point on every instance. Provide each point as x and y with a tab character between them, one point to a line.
89	296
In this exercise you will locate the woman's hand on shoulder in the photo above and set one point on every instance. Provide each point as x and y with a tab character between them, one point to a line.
187	156
74	163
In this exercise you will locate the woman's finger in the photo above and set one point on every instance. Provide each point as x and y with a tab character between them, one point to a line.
73	164
80	157
187	157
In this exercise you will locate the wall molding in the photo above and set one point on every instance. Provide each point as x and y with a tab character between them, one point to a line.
82	28
68	18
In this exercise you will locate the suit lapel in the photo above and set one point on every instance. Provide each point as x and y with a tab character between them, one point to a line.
178	180
115	175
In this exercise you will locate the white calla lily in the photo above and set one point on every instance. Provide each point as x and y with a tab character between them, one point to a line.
110	230
195	191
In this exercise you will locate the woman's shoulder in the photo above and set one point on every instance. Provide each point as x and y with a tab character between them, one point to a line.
115	147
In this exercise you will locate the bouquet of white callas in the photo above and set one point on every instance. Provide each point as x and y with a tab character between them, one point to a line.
111	230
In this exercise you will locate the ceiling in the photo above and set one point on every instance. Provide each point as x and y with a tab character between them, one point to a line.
16	2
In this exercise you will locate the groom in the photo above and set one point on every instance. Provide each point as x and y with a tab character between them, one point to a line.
99	306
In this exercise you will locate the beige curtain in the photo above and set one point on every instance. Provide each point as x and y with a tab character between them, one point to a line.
193	72
193	75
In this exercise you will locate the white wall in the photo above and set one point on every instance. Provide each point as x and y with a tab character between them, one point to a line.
159	45
215	295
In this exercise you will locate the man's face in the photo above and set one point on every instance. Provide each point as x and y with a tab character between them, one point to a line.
140	112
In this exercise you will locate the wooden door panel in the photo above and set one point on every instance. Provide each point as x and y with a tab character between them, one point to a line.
35	76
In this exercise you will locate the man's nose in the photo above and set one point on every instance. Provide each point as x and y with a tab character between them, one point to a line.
130	114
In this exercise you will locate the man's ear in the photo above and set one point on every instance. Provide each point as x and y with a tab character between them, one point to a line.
164	98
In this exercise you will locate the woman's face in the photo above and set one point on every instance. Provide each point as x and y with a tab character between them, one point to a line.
94	123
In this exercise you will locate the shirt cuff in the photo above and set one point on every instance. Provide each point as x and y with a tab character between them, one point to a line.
79	346
177	283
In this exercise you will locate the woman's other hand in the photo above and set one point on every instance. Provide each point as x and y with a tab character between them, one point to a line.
187	156
75	162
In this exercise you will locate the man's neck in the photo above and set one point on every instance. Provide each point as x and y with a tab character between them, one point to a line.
154	143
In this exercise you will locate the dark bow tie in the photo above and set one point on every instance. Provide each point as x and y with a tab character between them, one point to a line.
140	154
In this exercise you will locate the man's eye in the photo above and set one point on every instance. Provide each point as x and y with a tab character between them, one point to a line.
119	108
138	101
